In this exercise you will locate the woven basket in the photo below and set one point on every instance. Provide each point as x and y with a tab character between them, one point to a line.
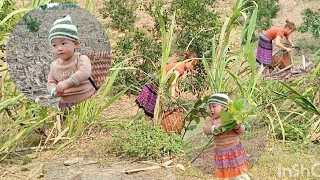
281	61
173	120
100	63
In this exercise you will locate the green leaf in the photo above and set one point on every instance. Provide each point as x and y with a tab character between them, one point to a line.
1	4
225	117
194	112
110	82
280	122
192	127
10	101
188	118
235	77
239	104
227	127
198	103
171	76
113	99
231	108
197	119
301	100
204	111
35	3
210	74
206	98
18	11
252	23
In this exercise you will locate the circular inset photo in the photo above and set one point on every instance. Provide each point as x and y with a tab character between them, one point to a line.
59	55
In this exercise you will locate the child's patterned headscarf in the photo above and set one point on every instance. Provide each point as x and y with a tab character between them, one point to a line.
63	28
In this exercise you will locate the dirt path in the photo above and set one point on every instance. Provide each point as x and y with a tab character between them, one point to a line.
124	108
76	168
87	159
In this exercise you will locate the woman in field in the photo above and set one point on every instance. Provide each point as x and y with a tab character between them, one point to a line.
148	96
264	51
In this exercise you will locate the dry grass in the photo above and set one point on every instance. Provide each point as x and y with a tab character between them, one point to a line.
278	155
125	108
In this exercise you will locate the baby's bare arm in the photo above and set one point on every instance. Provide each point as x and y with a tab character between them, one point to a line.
174	85
207	128
208	125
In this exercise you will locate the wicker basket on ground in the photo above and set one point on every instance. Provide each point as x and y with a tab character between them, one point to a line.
281	61
100	62
173	120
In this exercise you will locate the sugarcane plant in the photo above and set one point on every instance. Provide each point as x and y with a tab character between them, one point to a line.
164	77
222	79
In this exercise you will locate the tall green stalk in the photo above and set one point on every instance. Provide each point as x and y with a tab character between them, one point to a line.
166	47
90	4
88	113
248	53
222	79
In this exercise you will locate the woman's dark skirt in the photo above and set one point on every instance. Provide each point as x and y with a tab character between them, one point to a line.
147	99
264	51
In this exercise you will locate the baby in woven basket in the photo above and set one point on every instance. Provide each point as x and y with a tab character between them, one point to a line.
230	158
68	76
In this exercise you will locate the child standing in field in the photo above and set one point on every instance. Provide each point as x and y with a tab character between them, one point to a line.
148	96
230	157
68	76
264	51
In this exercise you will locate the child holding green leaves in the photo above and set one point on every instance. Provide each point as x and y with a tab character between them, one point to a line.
230	157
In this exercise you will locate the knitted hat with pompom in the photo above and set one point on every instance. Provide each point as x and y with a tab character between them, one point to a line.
63	28
219	98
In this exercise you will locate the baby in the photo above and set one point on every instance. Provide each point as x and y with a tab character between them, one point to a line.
68	76
230	157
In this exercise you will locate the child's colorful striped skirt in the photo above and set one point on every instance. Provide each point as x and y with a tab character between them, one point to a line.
264	51
69	105
231	162
147	99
